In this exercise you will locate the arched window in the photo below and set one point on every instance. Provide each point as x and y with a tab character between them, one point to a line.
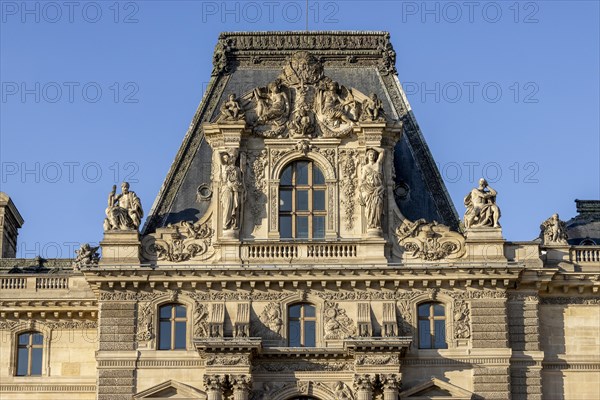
29	354
302	202
432	326
302	325
172	327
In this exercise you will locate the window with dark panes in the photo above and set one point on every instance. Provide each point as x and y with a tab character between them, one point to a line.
432	326
172	327
29	354
302	202
302	325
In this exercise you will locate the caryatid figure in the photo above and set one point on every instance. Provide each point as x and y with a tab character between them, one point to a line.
372	187
232	191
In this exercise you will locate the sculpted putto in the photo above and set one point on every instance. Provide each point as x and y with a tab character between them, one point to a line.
482	210
231	109
124	211
372	109
232	190
372	187
553	231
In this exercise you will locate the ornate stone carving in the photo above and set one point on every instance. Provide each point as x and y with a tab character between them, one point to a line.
231	110
342	391
303	387
303	146
314	365
145	322
271	322
390	381
371	188
124	211
337	323
462	320
349	181
240	382
87	256
232	190
553	231
256	167
405	326
570	300
201	322
303	103
226	360
429	241
364	382
372	109
482	210
213	383
221	63
182	242
377	359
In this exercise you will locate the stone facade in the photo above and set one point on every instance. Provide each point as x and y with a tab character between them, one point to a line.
205	304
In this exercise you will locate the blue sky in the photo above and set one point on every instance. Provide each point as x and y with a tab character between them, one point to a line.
97	92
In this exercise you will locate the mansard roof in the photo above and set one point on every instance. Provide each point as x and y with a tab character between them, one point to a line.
361	60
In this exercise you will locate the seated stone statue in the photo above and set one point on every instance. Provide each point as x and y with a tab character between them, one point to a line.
124	211
482	210
231	109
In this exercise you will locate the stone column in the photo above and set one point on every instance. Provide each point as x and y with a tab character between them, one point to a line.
363	385
241	386
391	386
214	387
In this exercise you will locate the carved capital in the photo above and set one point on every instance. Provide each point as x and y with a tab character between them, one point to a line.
390	381
241	382
364	382
213	383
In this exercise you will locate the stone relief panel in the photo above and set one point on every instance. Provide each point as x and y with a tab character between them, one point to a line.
257	163
348	185
429	241
178	243
337	323
270	322
462	320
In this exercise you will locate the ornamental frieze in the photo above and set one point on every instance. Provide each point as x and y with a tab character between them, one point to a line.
227	360
304	366
377	359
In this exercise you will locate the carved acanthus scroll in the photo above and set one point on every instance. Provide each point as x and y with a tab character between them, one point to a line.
429	241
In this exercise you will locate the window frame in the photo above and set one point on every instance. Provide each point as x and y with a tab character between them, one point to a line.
432	318
173	319
310	213
302	319
30	346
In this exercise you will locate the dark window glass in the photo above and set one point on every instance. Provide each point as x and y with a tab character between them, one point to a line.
286	176
172	327
318	178
29	354
295	311
432	326
302	227
295	334
302	325
285	226
319	200
302	173
310	334
318	227
22	362
36	361
302	202
285	200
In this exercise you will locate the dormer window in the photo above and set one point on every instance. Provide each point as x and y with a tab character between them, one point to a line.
302	202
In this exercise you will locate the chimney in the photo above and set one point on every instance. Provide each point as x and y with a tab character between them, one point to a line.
10	222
